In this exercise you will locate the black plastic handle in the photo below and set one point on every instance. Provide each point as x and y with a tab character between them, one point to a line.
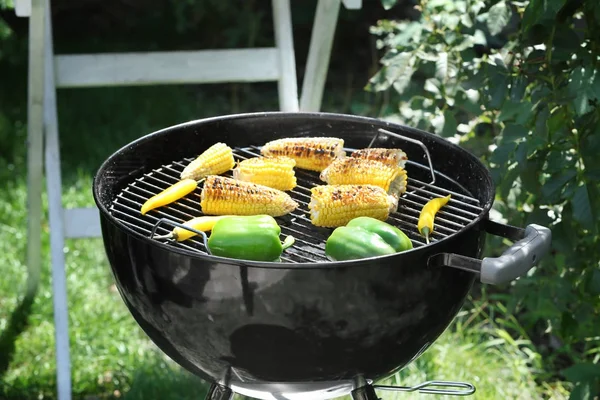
532	244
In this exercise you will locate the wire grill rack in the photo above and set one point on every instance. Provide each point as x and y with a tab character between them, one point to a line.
310	240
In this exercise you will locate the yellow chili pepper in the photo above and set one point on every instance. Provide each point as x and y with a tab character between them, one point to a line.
169	195
427	216
204	223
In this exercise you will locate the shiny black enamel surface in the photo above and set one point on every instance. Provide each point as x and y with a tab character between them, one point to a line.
223	320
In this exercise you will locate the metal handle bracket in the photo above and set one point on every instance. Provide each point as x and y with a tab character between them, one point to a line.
168	221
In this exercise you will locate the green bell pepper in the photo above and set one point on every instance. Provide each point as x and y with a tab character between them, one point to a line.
353	242
253	237
392	235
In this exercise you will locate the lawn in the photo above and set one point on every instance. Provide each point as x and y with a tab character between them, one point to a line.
111	356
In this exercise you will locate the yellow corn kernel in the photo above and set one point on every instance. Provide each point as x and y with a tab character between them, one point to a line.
359	171
274	172
223	196
398	185
311	153
391	157
335	205
215	160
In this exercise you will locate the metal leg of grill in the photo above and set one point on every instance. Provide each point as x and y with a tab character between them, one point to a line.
363	390
219	392
366	392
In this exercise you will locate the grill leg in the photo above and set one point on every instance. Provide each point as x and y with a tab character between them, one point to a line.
219	392
363	391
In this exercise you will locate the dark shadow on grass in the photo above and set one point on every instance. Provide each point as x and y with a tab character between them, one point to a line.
18	322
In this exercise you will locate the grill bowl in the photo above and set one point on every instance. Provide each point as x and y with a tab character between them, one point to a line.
278	328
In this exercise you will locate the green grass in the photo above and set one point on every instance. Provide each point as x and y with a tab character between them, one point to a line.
111	356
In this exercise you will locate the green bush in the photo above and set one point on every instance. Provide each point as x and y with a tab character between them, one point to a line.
518	82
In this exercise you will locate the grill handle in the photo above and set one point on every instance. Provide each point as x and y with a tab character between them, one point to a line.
532	244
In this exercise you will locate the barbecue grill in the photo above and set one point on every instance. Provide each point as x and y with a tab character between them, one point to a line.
304	326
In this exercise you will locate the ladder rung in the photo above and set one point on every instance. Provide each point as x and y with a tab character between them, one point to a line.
204	66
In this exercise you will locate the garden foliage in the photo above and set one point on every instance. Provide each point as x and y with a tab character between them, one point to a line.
523	80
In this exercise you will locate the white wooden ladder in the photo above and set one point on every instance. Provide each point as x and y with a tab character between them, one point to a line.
48	71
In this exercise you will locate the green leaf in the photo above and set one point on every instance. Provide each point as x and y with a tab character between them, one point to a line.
516	111
441	66
582	391
582	372
584	85
556	161
498	91
387	4
479	38
498	17
557	121
450	124
521	154
540	11
432	4
501	154
563	239
437	122
582	208
517	88
409	34
513	133
568	325
594	285
468	101
450	21
433	85
498	82
378	82
426	56
554	185
535	143
466	20
400	71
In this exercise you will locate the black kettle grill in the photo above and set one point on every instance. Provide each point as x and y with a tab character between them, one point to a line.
304	326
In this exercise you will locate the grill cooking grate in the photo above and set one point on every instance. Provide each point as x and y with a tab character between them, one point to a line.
310	240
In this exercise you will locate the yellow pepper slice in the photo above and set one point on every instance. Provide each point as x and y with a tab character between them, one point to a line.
204	223
169	195
427	215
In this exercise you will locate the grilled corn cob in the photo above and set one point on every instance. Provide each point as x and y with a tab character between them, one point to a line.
215	160
311	153
398	185
391	157
335	205
274	172
221	196
362	171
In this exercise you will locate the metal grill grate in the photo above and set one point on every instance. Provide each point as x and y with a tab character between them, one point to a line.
310	240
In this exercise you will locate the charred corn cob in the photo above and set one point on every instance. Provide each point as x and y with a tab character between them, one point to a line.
274	172
215	160
222	196
311	153
335	205
362	171
391	157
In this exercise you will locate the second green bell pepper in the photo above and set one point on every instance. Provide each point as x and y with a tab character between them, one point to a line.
365	237
254	237
392	235
351	243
